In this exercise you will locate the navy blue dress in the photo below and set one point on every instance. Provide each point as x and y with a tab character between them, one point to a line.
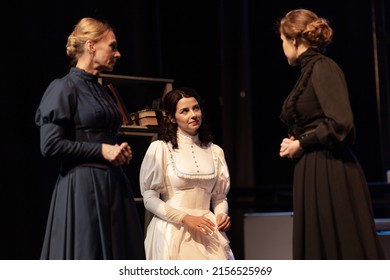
92	214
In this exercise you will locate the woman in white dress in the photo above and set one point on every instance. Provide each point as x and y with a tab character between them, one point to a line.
184	181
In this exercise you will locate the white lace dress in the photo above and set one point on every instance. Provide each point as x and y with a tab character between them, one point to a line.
184	181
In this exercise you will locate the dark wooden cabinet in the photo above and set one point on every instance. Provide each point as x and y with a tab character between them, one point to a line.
136	94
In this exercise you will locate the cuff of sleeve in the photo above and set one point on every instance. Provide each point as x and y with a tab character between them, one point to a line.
174	215
308	141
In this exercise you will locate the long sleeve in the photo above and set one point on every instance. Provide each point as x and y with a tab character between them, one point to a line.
337	125
222	185
55	118
152	183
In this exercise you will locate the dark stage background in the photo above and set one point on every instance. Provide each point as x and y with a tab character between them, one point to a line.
229	51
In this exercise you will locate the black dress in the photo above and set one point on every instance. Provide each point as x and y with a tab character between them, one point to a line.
333	217
92	214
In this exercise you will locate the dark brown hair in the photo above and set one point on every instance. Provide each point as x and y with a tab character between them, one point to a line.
169	129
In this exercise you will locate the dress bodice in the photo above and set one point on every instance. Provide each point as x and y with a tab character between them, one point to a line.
191	169
75	116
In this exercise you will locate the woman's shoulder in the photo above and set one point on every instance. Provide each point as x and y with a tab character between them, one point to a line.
216	149
325	59
157	145
326	64
157	142
63	84
60	90
215	146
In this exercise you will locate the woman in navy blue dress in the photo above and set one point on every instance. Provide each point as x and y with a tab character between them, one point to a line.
92	214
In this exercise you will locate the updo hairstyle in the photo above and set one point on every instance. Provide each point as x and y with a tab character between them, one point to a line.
86	29
307	27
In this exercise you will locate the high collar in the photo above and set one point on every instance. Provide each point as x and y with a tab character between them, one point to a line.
185	138
83	74
307	56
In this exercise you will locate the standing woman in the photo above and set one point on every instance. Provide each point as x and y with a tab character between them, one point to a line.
181	174
92	214
333	217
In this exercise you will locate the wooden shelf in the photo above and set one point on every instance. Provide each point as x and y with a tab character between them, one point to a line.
132	79
136	130
137	93
122	80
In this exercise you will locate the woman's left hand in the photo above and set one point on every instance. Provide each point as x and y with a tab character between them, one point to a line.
117	154
223	222
199	223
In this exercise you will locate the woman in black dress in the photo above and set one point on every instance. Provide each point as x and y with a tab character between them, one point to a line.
92	214
333	217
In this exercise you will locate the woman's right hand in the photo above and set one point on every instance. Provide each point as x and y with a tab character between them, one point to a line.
290	148
199	223
117	154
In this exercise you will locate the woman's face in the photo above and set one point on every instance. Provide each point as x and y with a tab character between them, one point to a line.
290	50
106	52
188	115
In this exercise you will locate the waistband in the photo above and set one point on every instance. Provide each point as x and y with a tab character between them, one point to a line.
67	166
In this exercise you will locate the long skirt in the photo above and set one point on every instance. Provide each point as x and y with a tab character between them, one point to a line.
93	216
333	216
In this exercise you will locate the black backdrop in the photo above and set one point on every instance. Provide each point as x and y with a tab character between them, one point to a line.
227	50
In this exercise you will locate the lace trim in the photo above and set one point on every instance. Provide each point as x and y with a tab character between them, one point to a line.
193	176
295	126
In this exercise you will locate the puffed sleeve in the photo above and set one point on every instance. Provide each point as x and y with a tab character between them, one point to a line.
54	117
332	94
152	183
222	185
